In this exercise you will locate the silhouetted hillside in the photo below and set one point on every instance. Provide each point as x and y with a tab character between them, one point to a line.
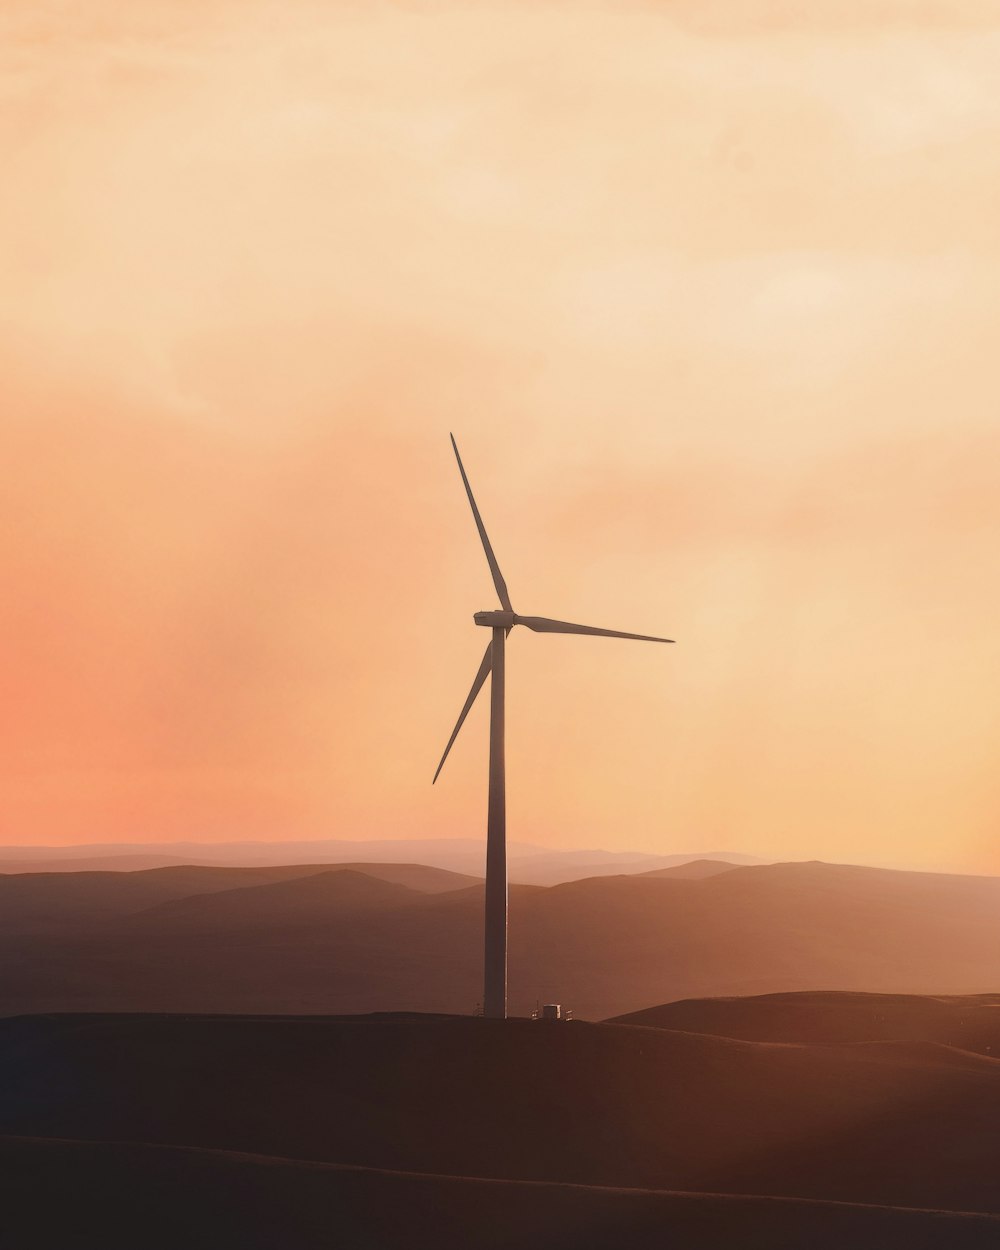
308	900
885	1123
123	862
559	867
37	902
967	1022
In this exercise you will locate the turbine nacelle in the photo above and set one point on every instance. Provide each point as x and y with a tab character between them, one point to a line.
496	620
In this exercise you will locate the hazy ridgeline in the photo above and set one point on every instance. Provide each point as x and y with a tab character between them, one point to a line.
383	937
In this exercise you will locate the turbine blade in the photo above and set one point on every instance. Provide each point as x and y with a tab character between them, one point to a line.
498	580
477	685
542	625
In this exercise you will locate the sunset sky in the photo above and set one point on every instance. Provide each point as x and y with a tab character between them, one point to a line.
707	292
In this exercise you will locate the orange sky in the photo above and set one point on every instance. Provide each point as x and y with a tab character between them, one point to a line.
708	294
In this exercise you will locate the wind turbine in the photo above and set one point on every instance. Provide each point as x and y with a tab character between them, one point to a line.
501	623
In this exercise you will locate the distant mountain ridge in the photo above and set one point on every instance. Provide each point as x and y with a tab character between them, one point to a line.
382	937
32	902
694	869
528	864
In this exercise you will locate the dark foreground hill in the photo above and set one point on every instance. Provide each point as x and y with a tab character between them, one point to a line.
113	1196
887	1123
371	937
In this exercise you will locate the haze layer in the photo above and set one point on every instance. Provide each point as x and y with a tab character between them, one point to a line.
706	292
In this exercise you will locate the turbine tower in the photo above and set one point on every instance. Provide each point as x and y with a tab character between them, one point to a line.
501	623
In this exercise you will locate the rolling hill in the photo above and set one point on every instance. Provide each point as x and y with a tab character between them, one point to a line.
51	901
293	939
897	1124
970	1022
693	870
336	894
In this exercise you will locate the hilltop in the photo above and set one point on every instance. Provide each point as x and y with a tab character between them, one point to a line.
967	1022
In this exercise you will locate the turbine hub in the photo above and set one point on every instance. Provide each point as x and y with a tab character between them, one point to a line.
496	620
